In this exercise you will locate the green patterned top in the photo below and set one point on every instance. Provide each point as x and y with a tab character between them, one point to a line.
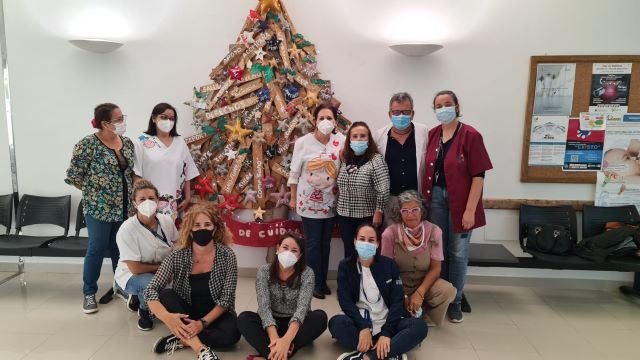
106	190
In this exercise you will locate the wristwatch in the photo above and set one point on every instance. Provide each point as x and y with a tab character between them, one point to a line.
204	322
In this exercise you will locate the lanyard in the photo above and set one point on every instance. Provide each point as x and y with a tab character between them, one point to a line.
160	237
364	292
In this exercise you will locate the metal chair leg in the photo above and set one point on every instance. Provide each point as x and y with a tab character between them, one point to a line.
633	291
19	273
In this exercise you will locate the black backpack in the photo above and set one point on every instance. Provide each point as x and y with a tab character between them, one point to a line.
619	242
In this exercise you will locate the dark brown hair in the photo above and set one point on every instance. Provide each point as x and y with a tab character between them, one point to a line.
323	106
295	280
157	110
102	113
347	153
453	96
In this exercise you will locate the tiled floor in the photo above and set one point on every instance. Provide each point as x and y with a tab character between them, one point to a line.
44	321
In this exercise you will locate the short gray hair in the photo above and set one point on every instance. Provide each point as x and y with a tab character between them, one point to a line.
403	198
401	97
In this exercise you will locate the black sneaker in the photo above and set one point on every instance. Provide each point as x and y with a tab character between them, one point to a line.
133	304
145	322
398	357
120	293
318	294
89	306
206	354
464	305
455	313
169	343
351	355
325	290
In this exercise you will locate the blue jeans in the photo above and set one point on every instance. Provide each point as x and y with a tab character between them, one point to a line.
348	227
136	285
317	246
455	245
409	333
102	237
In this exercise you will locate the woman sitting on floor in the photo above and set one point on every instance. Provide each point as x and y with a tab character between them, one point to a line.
371	297
284	322
199	308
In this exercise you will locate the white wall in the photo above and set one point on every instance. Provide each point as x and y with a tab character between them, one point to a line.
487	45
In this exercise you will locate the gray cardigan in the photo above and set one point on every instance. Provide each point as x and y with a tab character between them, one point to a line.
279	300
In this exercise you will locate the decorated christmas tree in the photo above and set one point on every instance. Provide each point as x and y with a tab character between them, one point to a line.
260	100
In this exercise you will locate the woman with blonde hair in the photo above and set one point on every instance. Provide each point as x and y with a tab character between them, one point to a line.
199	308
314	169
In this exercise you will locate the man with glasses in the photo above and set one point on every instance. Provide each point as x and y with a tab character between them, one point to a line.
403	144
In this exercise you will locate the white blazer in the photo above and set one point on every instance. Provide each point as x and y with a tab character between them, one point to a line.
421	134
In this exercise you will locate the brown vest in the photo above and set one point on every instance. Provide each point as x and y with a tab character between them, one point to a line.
413	268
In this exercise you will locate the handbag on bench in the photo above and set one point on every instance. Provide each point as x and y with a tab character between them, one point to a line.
549	239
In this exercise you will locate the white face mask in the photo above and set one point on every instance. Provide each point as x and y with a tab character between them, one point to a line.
287	259
120	128
147	208
326	126
165	125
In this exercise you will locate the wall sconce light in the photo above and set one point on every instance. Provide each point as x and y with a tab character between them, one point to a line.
96	45
416	49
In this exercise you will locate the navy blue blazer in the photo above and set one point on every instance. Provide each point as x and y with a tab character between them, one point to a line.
387	276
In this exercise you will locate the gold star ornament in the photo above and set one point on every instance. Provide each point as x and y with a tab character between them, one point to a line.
266	5
238	133
258	214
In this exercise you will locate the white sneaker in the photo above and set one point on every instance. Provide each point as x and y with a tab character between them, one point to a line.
351	355
206	354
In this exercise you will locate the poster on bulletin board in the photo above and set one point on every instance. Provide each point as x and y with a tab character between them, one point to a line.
618	182
585	88
584	148
610	87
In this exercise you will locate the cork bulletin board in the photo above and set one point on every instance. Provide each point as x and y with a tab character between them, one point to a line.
582	94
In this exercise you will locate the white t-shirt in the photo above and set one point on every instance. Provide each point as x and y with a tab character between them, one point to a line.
314	168
371	301
137	243
168	168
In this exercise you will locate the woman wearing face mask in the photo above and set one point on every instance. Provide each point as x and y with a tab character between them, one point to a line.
163	157
144	240
371	298
101	167
416	246
199	308
314	165
363	184
456	162
284	322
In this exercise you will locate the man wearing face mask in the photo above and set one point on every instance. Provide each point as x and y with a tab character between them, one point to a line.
144	240
403	144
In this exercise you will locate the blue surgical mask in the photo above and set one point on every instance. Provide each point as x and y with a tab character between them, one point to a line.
400	122
446	114
366	250
359	147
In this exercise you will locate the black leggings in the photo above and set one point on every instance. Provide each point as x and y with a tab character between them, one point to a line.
222	333
250	324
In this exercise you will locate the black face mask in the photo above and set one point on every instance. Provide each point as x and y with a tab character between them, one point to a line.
202	237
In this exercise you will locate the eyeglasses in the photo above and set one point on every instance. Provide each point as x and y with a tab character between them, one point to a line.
401	112
412	211
165	117
119	121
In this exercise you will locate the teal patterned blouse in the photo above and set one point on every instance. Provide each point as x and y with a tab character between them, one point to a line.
106	190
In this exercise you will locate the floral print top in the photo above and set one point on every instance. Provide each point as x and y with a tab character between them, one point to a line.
106	190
